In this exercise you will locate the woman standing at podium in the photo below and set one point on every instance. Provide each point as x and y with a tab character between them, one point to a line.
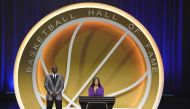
96	88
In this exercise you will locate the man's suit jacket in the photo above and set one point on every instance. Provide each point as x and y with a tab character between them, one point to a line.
50	87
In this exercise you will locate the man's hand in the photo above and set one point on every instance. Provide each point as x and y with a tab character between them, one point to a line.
54	94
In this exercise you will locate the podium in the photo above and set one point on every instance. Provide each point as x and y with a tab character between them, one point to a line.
96	102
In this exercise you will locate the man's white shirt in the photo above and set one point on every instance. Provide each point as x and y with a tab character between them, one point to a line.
54	75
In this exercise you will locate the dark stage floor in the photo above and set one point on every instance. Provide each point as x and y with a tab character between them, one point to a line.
8	101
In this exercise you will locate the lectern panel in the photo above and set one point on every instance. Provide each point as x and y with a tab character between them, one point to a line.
96	102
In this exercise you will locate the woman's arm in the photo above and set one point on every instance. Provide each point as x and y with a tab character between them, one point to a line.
90	91
101	92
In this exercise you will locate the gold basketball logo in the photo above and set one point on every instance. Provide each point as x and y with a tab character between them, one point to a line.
86	40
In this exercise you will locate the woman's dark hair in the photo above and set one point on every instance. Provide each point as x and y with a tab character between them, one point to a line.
93	82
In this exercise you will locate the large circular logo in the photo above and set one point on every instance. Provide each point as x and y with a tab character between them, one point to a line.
86	40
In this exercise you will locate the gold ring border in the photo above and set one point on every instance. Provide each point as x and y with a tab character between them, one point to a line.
90	5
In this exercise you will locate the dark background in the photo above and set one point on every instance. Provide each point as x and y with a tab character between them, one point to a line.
167	21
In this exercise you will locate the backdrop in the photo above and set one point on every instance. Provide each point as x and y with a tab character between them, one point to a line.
162	18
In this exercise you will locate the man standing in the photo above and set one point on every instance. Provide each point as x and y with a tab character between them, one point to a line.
54	84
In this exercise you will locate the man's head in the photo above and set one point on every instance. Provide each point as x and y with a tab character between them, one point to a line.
54	69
